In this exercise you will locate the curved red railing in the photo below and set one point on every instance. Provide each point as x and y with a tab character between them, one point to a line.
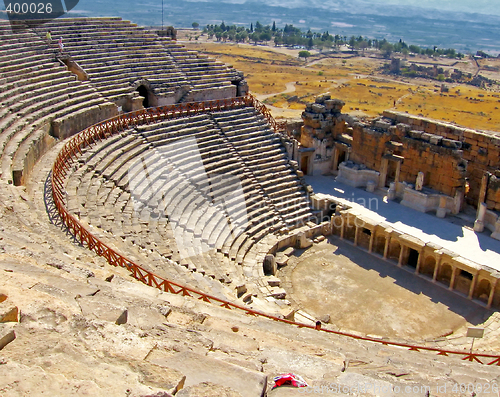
117	124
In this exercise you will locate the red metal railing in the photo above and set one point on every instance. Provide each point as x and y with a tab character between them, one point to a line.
107	128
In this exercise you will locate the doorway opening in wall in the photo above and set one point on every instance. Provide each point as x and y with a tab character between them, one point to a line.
304	165
342	157
413	258
143	91
392	167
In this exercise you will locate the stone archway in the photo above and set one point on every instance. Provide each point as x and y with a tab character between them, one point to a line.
379	245
364	238
483	290
394	250
463	281
428	266
349	229
445	273
413	255
143	91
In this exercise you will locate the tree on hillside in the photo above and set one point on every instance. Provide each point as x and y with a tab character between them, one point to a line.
255	37
387	49
363	45
304	54
310	43
195	25
352	43
274	26
266	36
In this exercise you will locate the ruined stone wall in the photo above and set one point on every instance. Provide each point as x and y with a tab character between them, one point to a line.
320	119
442	166
481	150
440	158
493	193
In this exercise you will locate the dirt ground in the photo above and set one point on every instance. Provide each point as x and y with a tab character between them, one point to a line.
359	81
370	295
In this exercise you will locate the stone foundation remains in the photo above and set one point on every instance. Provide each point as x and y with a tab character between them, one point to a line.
453	165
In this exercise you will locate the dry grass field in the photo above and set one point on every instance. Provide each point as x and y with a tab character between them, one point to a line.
287	83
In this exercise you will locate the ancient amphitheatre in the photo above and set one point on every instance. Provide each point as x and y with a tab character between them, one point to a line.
223	254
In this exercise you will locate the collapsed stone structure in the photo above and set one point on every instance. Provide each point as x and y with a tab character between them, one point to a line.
439	73
456	165
69	323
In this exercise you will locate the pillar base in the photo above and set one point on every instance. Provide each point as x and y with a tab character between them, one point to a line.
441	212
391	193
496	233
370	186
479	226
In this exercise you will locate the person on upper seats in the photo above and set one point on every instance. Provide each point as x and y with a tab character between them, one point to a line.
61	45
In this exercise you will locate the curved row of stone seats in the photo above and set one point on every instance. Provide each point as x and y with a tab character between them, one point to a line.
101	159
184	171
214	153
262	152
117	213
201	71
117	56
40	102
100	203
114	54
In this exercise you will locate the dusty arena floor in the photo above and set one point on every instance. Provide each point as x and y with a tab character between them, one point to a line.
363	293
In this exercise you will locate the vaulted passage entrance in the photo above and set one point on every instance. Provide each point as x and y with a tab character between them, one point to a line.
143	91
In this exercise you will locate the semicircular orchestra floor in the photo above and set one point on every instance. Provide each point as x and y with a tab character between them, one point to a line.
363	293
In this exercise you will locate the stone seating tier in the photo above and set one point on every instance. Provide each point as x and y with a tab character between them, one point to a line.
103	197
96	43
36	92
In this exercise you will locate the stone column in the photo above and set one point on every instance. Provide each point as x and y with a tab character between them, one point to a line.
383	172
483	189
496	233
492	293
336	155
419	261
472	286
441	211
387	244
436	269
372	238
452	280
356	234
398	171
391	193
342	227
401	253
419	183
479	223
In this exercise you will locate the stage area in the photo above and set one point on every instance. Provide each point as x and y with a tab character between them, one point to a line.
364	293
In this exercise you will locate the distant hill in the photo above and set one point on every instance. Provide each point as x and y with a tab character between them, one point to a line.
463	29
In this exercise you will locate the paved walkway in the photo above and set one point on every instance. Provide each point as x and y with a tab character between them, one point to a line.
477	247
